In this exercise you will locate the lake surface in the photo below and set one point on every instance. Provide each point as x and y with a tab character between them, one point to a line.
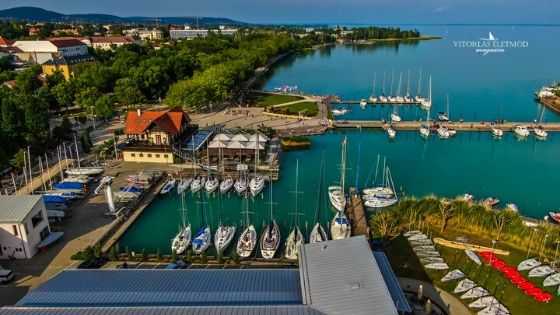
523	172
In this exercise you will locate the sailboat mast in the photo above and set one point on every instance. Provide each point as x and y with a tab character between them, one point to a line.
343	166
383	87
77	153
384	170
408	84
374	79
376	169
430	97
193	155
400	85
256	154
392	80
418	90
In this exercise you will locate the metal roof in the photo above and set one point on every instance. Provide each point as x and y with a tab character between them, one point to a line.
342	277
13	209
123	287
198	310
392	282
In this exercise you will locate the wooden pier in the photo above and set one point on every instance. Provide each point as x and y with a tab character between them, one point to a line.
357	215
459	126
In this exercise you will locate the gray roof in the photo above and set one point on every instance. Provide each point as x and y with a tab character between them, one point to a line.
16	208
342	277
208	287
392	282
198	310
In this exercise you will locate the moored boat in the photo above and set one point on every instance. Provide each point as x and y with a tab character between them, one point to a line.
528	264
169	185
392	133
212	183
223	237
196	184
318	234
521	131
182	240
183	185
247	241
226	185
240	185
541	271
270	240
340	226
293	242
201	240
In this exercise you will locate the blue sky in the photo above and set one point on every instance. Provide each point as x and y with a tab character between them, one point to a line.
320	11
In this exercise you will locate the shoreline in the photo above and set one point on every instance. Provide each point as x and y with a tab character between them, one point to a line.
393	40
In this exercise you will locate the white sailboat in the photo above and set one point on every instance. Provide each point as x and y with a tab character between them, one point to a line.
552	280
539	131
399	98
521	131
339	111
418	98
453	275
395	117
169	185
248	238
203	237
295	238
212	183
270	237
475	293
464	285
226	185
183	185
384	196
484	301
496	132
437	266
425	128
444	116
363	103
196	184
340	226
473	256
256	184
541	271
528	264
337	196
427	103
183	239
372	97
223	237
318	234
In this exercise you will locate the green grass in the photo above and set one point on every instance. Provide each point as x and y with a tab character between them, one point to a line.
406	264
266	100
309	109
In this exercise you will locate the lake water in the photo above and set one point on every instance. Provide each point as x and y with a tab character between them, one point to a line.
480	87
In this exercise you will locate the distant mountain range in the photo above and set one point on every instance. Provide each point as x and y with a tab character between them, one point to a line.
41	15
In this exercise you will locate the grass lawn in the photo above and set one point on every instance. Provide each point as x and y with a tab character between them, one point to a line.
265	100
309	109
406	264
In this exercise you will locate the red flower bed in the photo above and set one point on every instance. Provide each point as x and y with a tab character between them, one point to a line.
516	278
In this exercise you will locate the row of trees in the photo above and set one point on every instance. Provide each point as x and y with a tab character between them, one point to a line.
365	33
460	216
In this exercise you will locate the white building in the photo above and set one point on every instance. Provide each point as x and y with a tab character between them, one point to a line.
41	51
191	33
23	225
145	34
110	42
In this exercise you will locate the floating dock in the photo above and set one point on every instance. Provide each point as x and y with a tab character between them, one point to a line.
459	126
357	215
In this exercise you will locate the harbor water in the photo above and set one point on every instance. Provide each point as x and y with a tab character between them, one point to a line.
488	87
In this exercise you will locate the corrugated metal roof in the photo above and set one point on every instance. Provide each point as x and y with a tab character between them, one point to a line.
224	310
342	277
392	282
13	209
167	288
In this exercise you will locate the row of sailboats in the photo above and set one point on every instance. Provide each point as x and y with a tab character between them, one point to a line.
398	98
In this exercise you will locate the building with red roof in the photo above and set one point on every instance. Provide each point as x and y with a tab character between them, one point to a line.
151	135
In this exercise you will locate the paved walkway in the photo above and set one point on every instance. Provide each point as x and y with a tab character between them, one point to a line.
444	300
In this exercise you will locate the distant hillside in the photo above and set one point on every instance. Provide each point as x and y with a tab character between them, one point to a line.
42	15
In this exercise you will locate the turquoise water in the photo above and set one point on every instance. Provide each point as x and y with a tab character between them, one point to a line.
522	172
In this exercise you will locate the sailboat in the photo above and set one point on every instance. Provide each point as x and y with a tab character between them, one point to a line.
372	97
384	196
256	184
295	238
399	98
539	131
418	98
391	132
392	99
224	234
336	193
203	237
183	239
340	226
407	98
211	184
226	185
427	103
444	116
425	128
318	234
248	238
363	103
169	185
183	185
197	182
270	237
395	117
521	131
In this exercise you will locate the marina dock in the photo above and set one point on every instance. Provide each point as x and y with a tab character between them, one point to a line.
377	102
459	126
357	215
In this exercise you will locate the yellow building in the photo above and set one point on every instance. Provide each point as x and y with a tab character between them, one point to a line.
65	65
152	134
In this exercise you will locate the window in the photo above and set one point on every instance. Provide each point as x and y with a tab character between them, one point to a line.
36	219
165	156
149	155
157	155
141	155
133	154
14	227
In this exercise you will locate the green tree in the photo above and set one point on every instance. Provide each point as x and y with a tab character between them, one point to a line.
104	106
127	92
64	93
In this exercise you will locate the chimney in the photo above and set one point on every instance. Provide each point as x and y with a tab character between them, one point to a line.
139	112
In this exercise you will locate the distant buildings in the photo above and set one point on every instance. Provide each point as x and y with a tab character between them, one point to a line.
110	42
152	134
41	51
190	33
145	34
23	225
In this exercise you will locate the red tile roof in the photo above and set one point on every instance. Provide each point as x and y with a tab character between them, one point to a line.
67	42
4	42
111	39
169	121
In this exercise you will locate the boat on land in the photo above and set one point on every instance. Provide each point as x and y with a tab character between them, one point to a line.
295	238
212	183
554	217
475	293
88	171
453	275
318	233
541	271
182	240
473	256
490	202
521	131
430	253
337	196
484	301
421	243
431	259
248	238
226	185
552	280
417	237
437	266
183	185
494	309
464	285
270	237
169	185
424	248
410	233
